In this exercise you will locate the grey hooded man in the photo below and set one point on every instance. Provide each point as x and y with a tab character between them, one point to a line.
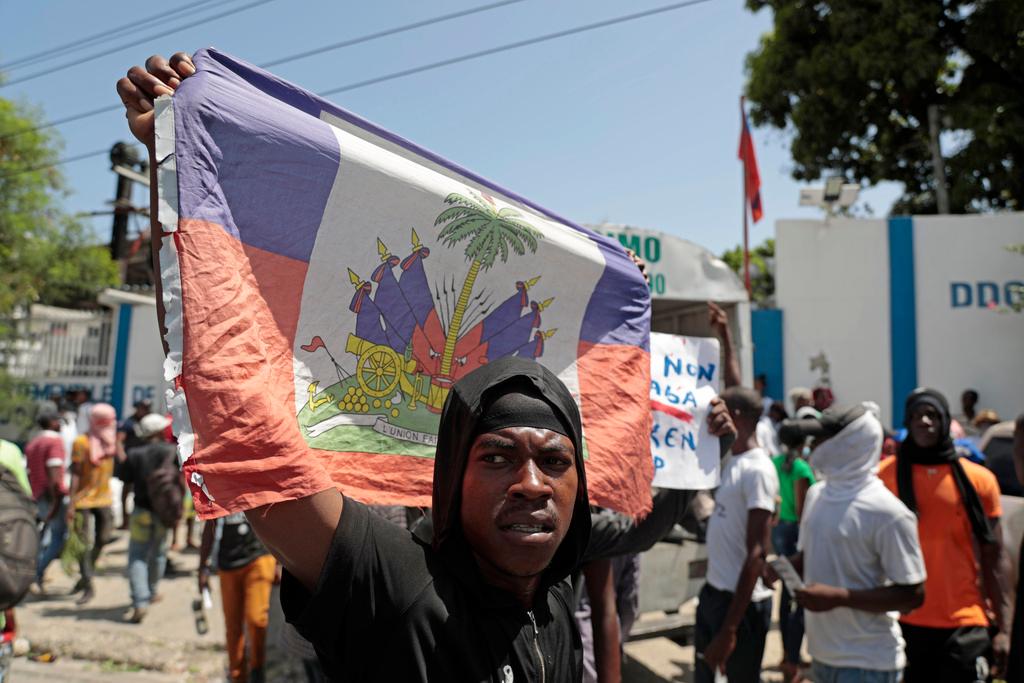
861	558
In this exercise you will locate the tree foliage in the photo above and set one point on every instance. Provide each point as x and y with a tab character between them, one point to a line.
762	270
46	255
852	82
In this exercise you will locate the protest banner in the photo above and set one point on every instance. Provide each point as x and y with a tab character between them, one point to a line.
325	282
684	378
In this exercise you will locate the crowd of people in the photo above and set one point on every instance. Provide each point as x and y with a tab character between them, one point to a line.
69	477
889	544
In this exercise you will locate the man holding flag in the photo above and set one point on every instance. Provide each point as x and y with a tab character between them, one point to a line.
487	596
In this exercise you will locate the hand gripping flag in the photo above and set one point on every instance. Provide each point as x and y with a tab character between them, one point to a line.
325	282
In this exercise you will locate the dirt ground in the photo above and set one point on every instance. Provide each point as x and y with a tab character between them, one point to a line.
95	643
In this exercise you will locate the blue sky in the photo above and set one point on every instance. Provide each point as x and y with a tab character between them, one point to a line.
636	123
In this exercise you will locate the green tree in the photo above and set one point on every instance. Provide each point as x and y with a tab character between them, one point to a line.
46	256
491	233
852	81
762	270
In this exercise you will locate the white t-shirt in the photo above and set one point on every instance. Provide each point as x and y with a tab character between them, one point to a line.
749	482
863	543
767	437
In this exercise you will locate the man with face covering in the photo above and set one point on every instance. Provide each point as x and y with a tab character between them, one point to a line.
860	554
958	510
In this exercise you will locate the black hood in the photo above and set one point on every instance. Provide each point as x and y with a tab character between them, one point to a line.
459	417
944	450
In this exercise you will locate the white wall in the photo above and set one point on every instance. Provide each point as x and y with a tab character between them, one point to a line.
832	283
144	372
969	346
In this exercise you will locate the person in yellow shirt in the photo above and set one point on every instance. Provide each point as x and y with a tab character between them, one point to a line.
92	465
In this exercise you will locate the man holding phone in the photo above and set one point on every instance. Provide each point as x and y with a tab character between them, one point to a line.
860	555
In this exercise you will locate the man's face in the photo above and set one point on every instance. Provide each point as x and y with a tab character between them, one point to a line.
925	424
968	400
141	411
518	495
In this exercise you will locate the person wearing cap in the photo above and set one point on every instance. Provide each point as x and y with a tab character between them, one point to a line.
734	611
147	544
44	457
128	437
958	510
859	552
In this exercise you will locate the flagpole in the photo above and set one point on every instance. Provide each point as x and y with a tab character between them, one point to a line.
743	204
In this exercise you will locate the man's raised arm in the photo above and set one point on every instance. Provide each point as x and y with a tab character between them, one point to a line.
297	532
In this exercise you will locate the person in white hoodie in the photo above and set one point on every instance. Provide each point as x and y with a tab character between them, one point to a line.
860	556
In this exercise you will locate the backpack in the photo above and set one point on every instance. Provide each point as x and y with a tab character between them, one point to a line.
19	540
166	491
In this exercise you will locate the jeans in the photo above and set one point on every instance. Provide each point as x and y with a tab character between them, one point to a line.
823	673
147	555
55	532
98	523
744	664
791	615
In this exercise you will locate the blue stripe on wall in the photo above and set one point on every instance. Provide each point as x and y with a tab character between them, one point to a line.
124	326
902	313
766	331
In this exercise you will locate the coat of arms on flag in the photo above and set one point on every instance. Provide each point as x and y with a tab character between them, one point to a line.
326	282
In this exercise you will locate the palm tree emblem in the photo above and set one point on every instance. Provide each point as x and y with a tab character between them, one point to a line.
491	232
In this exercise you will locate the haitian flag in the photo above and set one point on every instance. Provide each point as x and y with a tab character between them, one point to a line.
325	282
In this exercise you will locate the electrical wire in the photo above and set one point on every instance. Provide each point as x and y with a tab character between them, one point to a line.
510	46
453	60
61	162
388	32
290	58
138	41
81	43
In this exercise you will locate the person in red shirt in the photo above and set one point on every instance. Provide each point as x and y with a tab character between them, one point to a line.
44	457
958	510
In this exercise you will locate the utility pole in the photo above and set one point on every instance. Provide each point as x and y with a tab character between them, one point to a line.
938	163
122	155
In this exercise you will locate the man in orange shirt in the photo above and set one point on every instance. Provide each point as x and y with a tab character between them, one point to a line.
958	510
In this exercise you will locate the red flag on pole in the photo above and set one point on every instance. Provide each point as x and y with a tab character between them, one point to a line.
752	182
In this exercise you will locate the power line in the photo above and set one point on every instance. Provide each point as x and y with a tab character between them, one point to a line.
346	43
388	32
61	162
80	43
448	62
511	46
138	41
66	119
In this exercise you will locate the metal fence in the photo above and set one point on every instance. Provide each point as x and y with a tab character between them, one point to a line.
57	342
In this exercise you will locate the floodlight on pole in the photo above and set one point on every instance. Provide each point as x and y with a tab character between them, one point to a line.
835	194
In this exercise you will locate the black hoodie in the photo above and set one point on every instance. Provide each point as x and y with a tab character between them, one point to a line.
389	606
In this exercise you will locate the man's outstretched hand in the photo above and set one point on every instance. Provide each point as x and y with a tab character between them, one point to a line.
141	86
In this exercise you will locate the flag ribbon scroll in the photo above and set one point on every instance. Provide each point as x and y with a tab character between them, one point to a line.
325	282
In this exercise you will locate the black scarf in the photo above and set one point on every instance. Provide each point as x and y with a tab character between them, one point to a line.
943	453
466	412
